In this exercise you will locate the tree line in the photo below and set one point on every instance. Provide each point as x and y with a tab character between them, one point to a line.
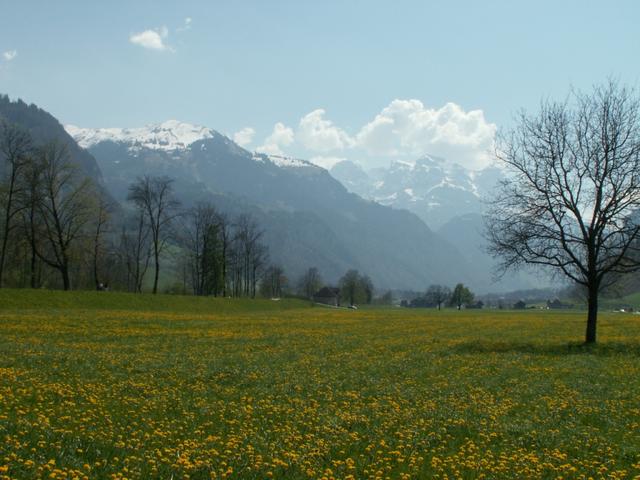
438	295
59	229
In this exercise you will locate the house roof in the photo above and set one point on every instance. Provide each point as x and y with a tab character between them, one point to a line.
327	292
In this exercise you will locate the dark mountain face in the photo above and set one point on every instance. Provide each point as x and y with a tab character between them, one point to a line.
309	218
43	128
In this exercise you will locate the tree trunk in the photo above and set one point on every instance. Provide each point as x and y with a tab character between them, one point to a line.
34	259
592	316
66	282
157	272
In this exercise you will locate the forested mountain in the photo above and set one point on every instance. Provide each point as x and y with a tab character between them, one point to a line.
44	127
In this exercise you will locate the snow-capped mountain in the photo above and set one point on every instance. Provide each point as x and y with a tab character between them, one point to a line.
430	187
171	137
166	136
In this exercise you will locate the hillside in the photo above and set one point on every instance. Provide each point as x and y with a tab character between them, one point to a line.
44	127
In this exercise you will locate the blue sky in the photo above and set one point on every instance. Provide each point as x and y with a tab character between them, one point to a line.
370	81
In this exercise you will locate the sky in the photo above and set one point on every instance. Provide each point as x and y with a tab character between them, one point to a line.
368	81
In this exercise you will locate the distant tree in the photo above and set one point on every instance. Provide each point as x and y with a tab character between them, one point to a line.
154	197
31	226
386	298
460	296
351	287
273	282
437	295
134	251
248	256
15	152
203	246
224	232
310	282
65	207
571	196
367	288
100	227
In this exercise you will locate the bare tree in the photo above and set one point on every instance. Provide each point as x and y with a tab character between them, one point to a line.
351	287
273	282
250	255
101	223
310	282
134	251
224	230
64	207
31	227
572	191
154	196
15	151
367	288
204	243
437	295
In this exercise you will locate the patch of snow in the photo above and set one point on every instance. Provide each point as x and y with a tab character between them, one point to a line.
167	136
289	162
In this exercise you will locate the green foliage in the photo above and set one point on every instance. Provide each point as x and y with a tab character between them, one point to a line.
461	296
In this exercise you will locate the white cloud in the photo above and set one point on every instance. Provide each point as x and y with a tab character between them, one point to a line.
321	135
9	55
408	128
282	136
404	129
152	39
244	136
186	25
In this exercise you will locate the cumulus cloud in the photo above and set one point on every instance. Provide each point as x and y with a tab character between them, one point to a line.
404	129
155	39
320	135
408	128
9	55
244	136
282	136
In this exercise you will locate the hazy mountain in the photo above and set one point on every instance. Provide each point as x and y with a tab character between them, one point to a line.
310	218
448	197
430	187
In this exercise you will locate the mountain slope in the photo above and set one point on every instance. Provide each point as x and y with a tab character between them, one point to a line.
310	218
466	233
44	127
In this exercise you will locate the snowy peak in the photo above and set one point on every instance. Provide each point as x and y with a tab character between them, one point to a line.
168	136
431	187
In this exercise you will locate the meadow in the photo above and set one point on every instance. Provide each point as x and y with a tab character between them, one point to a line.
106	385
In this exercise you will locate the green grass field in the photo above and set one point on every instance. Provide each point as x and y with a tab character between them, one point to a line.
106	385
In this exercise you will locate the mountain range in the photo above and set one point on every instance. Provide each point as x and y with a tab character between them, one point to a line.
309	217
448	197
430	187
